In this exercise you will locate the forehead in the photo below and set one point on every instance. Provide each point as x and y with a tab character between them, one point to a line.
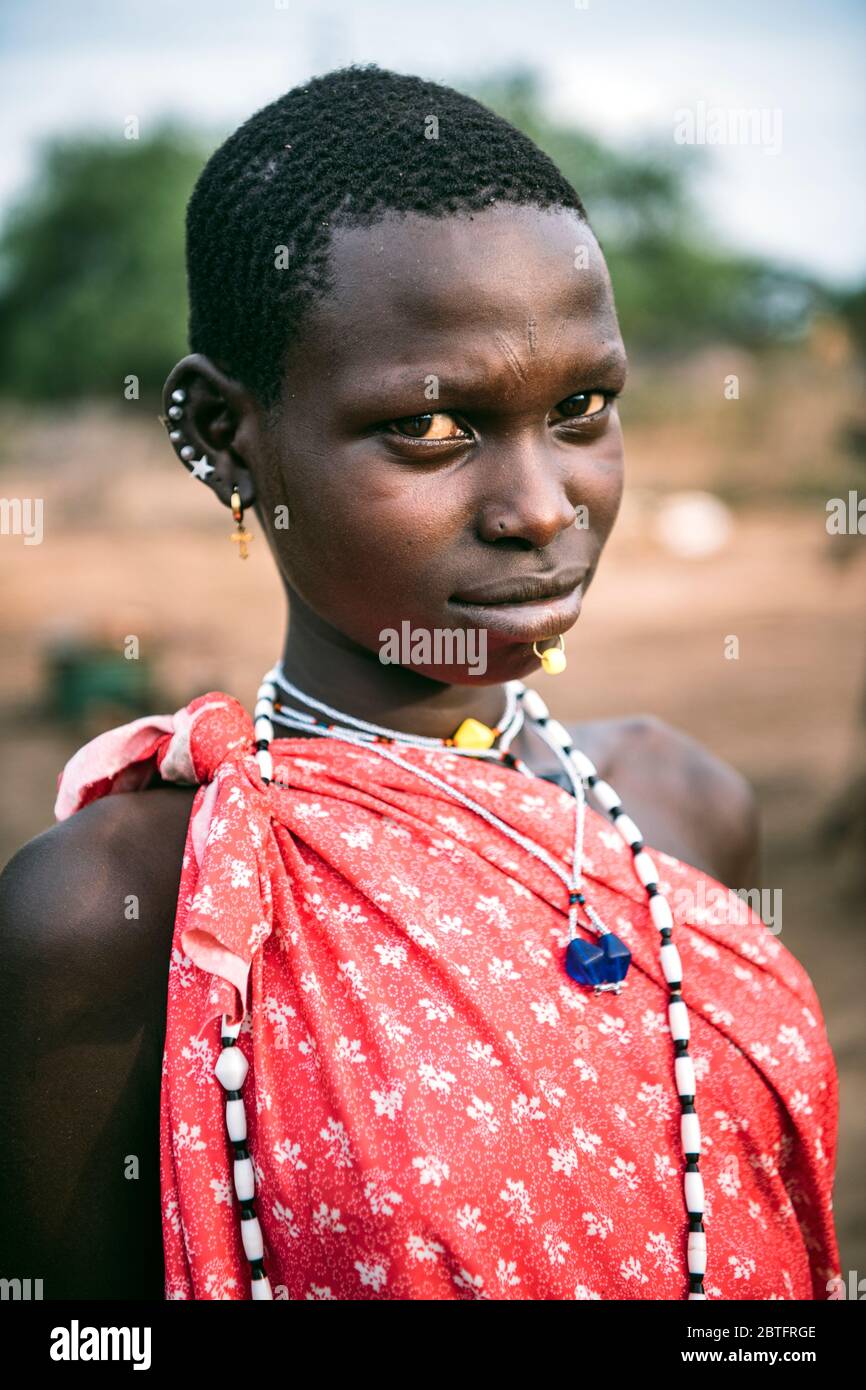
416	286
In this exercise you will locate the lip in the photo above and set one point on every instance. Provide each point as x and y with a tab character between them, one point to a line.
530	588
527	621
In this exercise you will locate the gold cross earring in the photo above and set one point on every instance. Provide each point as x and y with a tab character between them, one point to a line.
241	535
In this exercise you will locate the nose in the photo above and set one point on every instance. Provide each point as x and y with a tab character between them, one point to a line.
525	494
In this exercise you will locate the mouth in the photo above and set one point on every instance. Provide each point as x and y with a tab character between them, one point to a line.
527	610
530	588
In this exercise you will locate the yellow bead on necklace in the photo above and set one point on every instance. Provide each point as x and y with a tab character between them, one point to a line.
473	734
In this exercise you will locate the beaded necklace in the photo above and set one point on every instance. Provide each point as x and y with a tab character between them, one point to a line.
601	964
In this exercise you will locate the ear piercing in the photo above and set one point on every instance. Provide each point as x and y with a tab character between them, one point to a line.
241	535
199	468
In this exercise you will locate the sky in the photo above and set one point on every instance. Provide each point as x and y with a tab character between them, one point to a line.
625	69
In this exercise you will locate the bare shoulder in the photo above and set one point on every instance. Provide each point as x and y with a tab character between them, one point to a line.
90	895
687	801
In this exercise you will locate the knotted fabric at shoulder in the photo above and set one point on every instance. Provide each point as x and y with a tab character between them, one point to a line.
225	907
185	747
206	732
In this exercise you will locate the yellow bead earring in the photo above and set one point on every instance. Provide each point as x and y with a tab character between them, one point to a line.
241	535
553	658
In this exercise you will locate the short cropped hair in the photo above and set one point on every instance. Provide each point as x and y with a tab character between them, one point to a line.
343	149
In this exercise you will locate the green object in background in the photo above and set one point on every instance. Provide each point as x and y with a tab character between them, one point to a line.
84	676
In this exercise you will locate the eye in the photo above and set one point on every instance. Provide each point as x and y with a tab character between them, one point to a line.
584	404
438	426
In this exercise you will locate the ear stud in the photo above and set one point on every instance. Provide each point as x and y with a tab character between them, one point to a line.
198	468
201	469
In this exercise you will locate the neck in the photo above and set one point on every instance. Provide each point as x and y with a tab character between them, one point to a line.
330	667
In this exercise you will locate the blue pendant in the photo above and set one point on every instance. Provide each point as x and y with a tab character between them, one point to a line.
598	963
585	962
617	955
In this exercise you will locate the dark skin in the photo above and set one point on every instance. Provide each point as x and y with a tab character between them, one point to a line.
399	502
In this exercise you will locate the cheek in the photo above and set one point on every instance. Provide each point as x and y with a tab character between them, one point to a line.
601	481
358	534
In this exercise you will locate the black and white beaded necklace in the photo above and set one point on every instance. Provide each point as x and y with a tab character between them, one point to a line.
600	965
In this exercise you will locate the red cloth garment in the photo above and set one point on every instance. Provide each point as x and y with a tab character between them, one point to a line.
435	1108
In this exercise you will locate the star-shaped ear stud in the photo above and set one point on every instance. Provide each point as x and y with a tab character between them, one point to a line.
201	469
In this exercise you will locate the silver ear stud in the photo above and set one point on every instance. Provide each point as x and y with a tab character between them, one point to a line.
198	468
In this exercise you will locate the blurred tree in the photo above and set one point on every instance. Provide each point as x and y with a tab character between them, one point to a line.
850	305
92	282
676	287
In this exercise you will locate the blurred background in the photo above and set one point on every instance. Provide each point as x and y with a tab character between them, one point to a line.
738	255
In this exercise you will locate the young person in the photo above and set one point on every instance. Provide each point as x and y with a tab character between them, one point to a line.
434	1027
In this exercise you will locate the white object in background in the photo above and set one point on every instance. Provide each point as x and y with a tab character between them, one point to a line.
693	524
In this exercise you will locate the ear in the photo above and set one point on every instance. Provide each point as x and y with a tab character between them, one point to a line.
213	425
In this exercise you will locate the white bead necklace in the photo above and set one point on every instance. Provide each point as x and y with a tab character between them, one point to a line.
602	966
510	724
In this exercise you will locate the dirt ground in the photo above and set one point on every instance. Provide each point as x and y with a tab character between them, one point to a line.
131	546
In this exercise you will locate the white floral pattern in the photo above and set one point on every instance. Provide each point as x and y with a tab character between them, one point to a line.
435	1109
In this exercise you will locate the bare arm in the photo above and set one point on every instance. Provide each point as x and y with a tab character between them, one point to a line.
82	1003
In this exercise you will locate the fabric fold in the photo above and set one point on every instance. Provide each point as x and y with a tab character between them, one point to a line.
435	1108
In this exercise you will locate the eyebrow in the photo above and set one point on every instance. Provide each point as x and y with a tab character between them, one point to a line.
375	396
